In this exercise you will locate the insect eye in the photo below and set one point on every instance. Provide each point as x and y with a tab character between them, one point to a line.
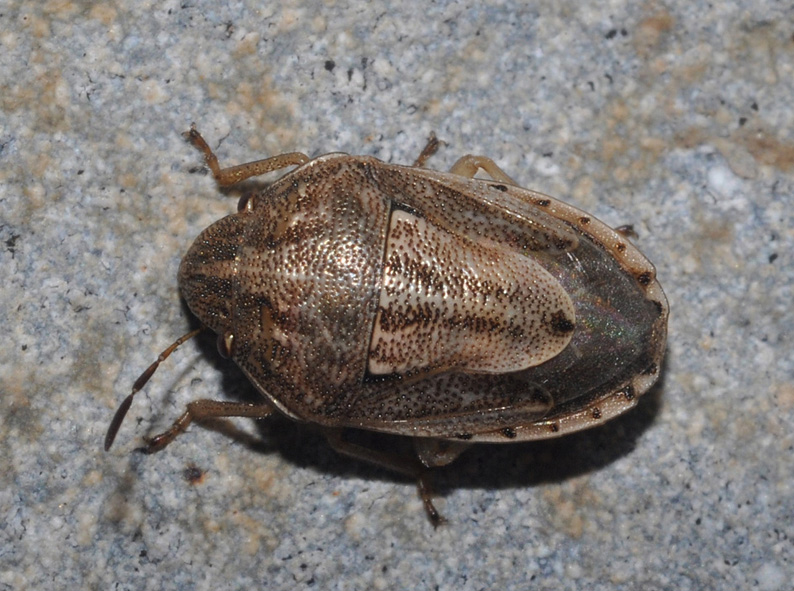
225	344
246	203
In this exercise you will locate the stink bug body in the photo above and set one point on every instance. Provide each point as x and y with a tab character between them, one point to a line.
359	294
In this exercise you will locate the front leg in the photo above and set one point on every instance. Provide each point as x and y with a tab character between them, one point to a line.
200	410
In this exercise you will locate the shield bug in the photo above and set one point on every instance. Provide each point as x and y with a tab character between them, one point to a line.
357	294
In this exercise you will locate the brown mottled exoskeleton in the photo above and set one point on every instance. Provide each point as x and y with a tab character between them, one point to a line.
451	309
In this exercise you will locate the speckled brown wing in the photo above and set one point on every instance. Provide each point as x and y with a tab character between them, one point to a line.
614	351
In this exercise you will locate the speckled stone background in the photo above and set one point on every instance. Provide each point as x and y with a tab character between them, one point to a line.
674	116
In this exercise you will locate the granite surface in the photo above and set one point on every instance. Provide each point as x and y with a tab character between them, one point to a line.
673	116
